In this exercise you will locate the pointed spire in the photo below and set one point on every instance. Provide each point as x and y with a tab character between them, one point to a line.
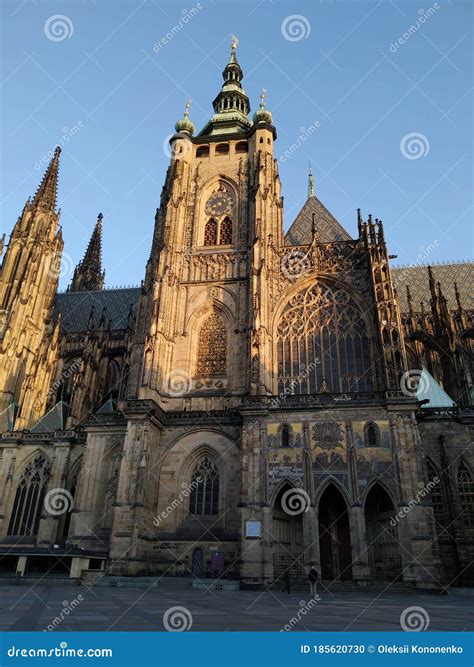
231	106
310	182
88	274
360	222
409	301
46	194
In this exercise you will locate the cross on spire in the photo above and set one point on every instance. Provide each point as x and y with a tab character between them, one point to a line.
310	182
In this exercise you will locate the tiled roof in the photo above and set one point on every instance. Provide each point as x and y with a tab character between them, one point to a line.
416	277
301	231
75	307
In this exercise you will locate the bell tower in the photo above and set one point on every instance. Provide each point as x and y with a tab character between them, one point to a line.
204	309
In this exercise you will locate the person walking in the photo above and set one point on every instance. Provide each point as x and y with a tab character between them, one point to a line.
287	581
313	580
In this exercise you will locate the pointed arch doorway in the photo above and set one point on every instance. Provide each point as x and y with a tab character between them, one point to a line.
382	537
287	542
334	535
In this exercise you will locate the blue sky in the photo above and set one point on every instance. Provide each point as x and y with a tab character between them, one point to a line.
102	92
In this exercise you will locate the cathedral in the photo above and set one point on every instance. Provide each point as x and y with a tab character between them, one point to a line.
260	403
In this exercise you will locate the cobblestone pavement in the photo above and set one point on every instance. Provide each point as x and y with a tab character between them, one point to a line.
80	608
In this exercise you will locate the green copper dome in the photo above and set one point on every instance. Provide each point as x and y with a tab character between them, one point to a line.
262	115
185	124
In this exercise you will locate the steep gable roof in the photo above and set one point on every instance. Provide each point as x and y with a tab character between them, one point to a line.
329	229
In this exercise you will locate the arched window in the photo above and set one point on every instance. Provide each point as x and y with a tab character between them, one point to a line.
241	147
204	498
212	347
285	435
225	233
372	435
112	380
466	494
202	151
29	497
323	343
210	232
437	504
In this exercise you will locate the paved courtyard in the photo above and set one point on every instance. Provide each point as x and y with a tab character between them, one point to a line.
80	608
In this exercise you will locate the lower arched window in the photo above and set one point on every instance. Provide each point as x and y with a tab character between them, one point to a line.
285	436
372	435
437	504
204	498
466	494
29	497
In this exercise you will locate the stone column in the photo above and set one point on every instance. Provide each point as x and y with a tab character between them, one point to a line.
255	564
90	490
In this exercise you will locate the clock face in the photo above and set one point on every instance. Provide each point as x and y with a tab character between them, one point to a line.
219	203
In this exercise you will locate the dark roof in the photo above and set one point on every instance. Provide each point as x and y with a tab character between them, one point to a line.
329	229
75	307
416	277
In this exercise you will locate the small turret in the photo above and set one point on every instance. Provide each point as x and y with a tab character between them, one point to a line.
88	274
185	124
262	115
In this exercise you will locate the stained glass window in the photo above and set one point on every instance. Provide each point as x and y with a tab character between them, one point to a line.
225	235
436	497
204	498
210	232
466	494
212	350
29	497
323	343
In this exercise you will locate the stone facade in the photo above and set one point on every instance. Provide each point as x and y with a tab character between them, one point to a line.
252	408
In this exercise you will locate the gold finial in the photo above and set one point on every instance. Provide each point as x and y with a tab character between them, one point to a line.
234	42
262	98
186	108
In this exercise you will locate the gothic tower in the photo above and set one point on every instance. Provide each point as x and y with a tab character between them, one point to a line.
204	305
28	283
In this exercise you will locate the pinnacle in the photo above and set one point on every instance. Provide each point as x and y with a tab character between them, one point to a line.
46	194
